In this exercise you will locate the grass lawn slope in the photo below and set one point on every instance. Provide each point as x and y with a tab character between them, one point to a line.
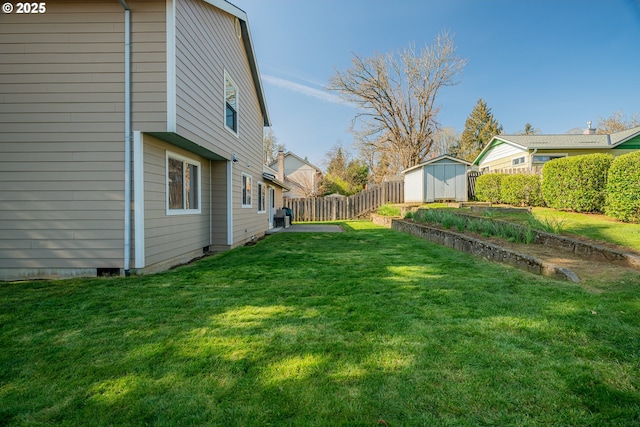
322	329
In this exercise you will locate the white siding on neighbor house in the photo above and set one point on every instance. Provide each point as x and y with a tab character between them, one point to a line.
501	155
302	177
61	145
206	46
414	186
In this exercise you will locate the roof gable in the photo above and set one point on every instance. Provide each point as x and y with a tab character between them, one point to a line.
296	157
445	158
248	46
630	138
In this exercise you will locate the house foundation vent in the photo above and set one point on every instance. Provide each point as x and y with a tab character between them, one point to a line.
108	272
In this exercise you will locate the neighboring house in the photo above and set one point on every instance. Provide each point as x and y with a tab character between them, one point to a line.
525	152
130	136
275	193
300	176
441	178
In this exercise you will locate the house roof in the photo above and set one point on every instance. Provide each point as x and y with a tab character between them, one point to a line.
437	159
270	175
248	46
565	141
289	153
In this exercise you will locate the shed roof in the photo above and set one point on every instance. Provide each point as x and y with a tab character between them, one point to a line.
437	159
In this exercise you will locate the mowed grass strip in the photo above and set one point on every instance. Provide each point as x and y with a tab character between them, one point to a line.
593	226
322	329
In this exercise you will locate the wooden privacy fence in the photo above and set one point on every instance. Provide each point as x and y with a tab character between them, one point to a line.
472	176
352	207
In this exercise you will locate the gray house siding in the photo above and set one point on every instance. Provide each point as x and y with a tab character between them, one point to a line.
171	238
207	46
61	162
62	135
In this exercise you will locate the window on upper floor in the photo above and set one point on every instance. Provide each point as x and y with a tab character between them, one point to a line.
183	185
230	104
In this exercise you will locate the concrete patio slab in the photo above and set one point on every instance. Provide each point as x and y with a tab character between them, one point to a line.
308	228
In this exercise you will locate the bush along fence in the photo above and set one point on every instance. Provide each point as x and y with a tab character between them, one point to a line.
598	183
334	208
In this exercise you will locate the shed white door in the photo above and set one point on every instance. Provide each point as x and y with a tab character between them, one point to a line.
445	182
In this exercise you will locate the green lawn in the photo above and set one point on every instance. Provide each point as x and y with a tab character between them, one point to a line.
322	329
595	226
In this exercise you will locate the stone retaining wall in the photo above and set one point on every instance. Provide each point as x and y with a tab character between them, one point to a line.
583	249
384	221
486	250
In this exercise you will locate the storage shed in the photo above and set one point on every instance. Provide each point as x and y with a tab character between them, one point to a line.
441	178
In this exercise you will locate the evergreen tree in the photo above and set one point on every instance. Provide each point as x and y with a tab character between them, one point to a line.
344	176
529	130
479	128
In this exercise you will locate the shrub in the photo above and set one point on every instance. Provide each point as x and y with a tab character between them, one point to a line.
389	210
576	183
623	188
521	189
488	187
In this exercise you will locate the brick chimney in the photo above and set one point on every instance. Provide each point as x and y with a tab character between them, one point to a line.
280	166
589	130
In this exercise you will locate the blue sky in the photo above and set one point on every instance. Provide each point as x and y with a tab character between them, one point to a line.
553	63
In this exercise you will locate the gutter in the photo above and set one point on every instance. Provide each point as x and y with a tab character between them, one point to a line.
127	137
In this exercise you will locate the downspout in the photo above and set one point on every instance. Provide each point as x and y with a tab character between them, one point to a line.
127	137
535	150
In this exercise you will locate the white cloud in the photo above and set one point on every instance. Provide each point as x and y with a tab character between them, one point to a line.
303	89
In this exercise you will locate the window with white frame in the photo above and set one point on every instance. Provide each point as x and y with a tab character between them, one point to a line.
230	104
246	191
518	161
183	185
547	157
262	196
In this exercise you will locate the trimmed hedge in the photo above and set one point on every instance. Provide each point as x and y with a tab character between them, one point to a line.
488	187
521	189
623	188
576	183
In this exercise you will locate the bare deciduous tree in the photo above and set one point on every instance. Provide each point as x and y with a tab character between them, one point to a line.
270	146
446	141
397	96
617	123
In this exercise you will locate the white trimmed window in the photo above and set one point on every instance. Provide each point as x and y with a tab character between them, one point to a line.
518	161
183	185
246	190
230	104
262	197
541	159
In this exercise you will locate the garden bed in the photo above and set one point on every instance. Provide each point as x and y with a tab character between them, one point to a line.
546	253
583	249
485	249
